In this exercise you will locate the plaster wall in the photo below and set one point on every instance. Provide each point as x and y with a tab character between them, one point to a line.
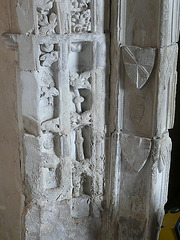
10	186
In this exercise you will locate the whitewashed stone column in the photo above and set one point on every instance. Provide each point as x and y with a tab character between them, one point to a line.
143	88
62	72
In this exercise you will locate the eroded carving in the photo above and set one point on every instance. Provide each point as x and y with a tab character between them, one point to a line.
47	20
48	90
79	144
135	151
47	141
76	46
51	125
50	178
49	55
168	64
137	110
82	180
139	63
80	16
78	120
161	151
79	81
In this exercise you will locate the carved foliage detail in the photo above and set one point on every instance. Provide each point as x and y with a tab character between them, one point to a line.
80	16
139	63
77	82
49	55
47	20
80	85
48	90
82	120
135	151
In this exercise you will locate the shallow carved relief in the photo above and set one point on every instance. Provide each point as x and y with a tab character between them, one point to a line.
80	16
161	151
82	180
48	90
79	144
51	125
80	118
137	110
135	151
168	64
49	55
139	63
47	20
53	173
77	82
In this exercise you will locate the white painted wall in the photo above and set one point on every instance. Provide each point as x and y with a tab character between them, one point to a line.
10	182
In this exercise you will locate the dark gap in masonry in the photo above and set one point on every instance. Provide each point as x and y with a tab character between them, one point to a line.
174	181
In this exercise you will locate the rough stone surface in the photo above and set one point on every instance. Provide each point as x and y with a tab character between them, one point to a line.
62	70
142	103
96	153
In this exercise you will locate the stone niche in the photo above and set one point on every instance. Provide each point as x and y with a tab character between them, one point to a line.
97	99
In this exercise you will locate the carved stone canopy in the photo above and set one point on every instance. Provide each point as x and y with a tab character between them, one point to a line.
139	63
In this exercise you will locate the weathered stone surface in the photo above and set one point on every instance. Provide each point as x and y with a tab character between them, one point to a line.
135	151
86	139
169	30
63	109
139	63
167	79
138	170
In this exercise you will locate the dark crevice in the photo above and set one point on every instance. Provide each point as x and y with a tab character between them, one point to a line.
174	180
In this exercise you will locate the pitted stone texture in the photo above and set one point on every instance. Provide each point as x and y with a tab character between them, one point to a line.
32	222
68	228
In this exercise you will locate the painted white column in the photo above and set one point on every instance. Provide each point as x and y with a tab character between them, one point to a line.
143	88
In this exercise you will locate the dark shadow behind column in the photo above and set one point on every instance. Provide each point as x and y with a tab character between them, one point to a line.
174	181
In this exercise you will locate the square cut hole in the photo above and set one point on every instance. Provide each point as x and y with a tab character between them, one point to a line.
81	56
